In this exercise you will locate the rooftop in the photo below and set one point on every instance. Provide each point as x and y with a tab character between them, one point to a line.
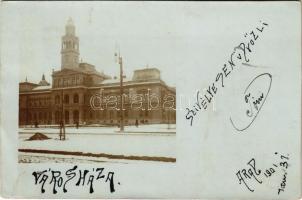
42	87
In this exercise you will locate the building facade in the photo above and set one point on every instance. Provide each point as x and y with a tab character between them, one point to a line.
81	94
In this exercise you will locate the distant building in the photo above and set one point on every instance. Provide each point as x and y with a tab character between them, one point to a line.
79	93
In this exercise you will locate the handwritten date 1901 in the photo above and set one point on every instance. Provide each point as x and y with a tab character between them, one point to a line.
57	179
253	176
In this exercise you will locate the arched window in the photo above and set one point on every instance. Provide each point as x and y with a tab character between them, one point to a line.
104	114
40	116
66	98
57	117
66	116
50	116
45	116
76	116
57	99
29	117
75	98
97	114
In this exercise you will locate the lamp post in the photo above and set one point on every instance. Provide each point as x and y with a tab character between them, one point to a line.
168	118
62	123
120	62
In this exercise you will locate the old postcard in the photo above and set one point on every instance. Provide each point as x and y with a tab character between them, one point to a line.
151	100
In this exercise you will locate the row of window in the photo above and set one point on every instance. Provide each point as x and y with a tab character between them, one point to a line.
39	102
46	117
75	116
75	99
114	114
69	44
75	80
39	116
46	101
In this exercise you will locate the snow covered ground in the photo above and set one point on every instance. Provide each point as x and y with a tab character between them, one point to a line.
151	141
156	128
44	158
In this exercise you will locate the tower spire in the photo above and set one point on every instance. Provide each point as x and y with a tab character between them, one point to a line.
70	47
43	82
70	28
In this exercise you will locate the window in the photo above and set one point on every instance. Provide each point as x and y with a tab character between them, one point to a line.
40	116
66	116
76	116
45	116
75	98
57	99
77	80
110	114
65	82
57	117
103	113
66	98
29	117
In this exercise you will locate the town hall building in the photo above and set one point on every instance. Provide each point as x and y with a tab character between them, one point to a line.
81	94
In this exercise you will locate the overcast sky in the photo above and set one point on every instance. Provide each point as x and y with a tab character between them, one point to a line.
175	37
143	36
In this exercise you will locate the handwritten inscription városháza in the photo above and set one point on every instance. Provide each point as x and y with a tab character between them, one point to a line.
59	180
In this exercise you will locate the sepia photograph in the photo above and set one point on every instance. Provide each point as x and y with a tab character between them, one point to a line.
81	111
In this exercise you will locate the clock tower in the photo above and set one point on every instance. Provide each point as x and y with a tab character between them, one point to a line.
70	47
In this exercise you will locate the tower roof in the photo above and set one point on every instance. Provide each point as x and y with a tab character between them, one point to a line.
43	82
70	27
70	22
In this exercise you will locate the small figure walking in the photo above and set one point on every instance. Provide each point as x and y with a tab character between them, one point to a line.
77	124
136	123
62	130
36	124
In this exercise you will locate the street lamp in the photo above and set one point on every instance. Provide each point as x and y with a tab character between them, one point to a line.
119	60
62	123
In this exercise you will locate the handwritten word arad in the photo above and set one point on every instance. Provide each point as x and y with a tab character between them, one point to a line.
251	175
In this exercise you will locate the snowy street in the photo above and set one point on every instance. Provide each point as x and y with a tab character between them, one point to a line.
99	144
152	128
